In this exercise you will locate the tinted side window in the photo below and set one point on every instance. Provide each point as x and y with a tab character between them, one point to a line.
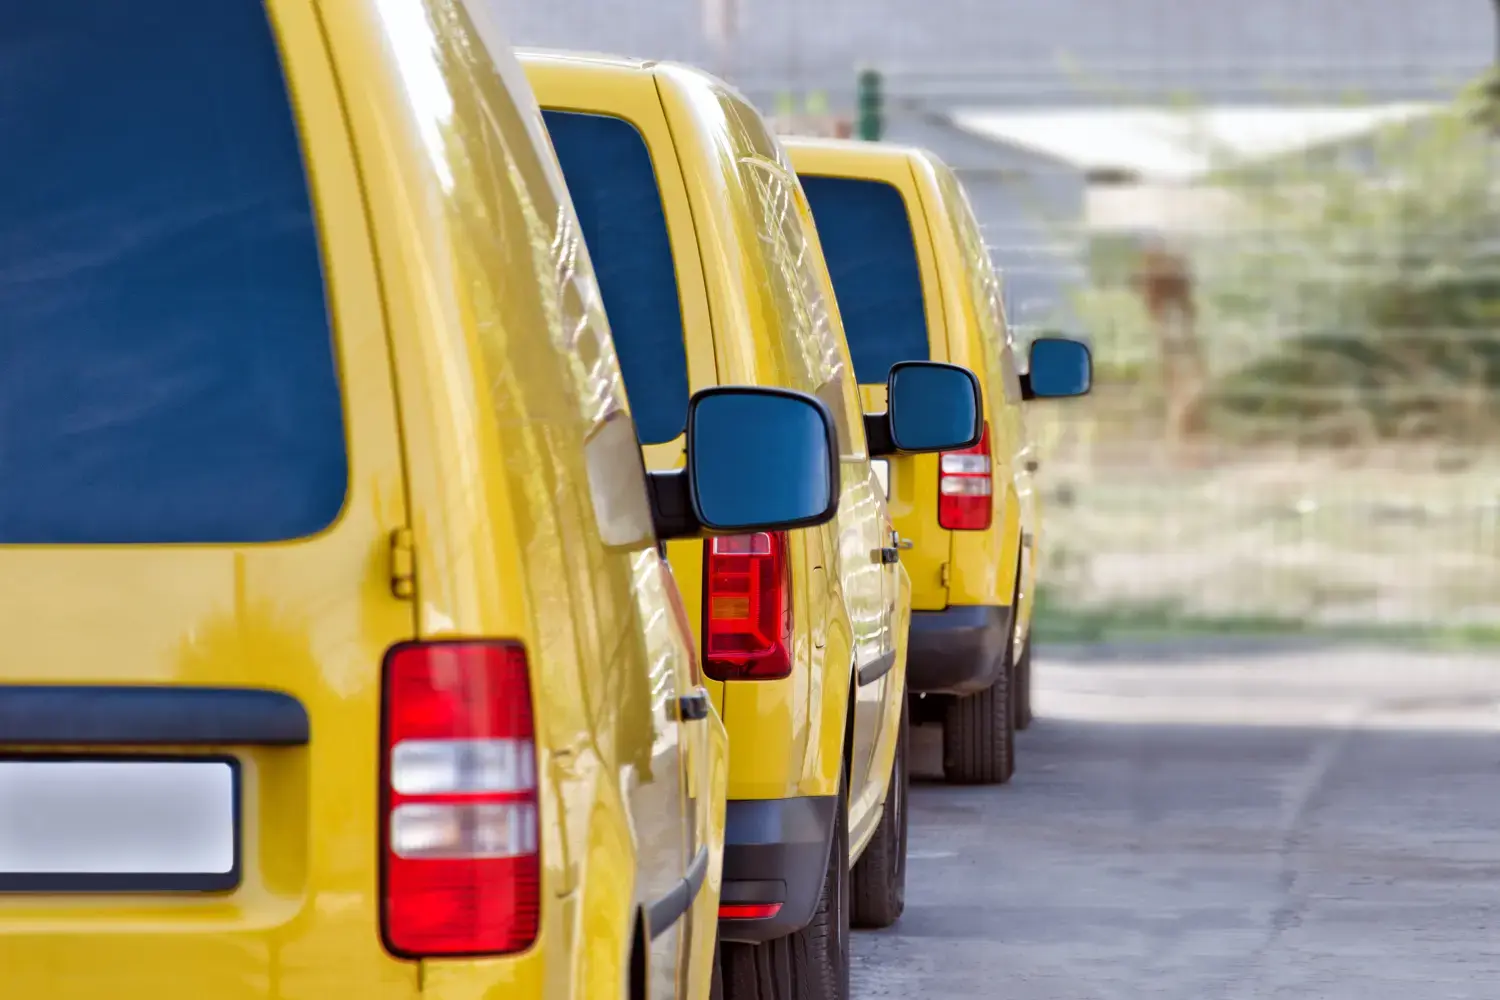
867	240
166	363
609	174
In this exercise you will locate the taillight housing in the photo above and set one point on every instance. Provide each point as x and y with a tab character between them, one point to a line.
966	486
748	911
461	870
747	607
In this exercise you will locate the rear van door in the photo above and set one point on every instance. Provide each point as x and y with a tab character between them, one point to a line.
200	478
874	237
810	340
1008	443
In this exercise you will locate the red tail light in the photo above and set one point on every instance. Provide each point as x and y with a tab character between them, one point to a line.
461	866
747	608
965	487
748	911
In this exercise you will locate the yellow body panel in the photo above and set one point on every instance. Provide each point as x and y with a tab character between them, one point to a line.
480	386
966	326
758	309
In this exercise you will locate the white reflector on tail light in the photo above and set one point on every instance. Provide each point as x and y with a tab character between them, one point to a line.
461	862
953	486
464	830
965	487
959	464
742	545
435	767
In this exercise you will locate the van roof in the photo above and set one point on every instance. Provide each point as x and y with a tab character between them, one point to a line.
846	151
601	59
858	146
609	63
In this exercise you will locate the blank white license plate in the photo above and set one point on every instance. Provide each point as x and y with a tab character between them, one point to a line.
119	826
883	473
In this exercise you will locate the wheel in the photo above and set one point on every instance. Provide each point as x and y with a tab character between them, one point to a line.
878	888
979	730
813	963
979	734
1023	687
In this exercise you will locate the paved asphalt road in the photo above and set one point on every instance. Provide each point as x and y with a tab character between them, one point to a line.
1218	824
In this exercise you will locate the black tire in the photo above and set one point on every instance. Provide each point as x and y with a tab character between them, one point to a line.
1023	687
813	963
979	735
878	889
979	730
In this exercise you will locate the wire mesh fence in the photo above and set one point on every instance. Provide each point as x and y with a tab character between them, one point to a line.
1277	224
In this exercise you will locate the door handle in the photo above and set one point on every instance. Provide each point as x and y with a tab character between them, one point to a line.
692	707
901	543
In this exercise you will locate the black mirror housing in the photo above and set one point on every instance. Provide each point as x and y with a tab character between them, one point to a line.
931	406
758	459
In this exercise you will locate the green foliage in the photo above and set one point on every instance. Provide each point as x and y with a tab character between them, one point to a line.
1059	622
1486	102
1366	298
1348	293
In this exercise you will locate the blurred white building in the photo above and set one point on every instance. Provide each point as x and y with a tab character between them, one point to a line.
1051	109
1149	170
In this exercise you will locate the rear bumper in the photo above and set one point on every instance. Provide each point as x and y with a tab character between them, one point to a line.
775	851
959	650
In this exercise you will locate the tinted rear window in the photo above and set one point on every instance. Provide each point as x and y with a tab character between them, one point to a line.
867	240
166	365
608	169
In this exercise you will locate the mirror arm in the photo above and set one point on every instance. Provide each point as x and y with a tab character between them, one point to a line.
1026	390
878	435
672	506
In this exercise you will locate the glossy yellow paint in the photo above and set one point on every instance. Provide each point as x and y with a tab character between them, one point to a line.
482	403
758	309
966	326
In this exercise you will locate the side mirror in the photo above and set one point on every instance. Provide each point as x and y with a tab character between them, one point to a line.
1057	368
757	460
930	406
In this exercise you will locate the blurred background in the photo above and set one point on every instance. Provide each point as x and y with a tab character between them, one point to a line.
1275	222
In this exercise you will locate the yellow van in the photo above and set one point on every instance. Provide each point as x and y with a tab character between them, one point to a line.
709	267
341	660
914	280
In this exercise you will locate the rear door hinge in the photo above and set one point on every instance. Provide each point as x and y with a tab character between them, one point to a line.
403	564
943	574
